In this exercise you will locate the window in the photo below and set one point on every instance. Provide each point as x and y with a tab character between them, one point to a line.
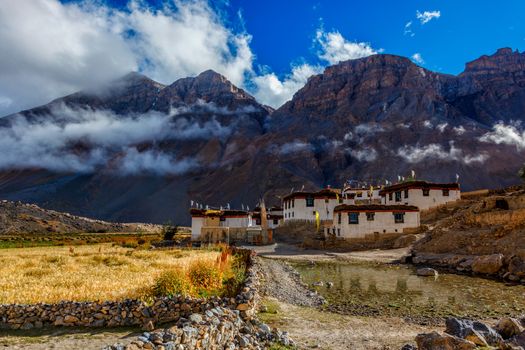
258	221
293	214
359	194
293	202
406	193
309	201
286	205
326	200
223	218
445	193
276	221
399	218
339	218
370	216
339	232
333	230
398	196
426	192
353	218
390	196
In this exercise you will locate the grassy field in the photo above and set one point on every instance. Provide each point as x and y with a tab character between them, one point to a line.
111	272
130	240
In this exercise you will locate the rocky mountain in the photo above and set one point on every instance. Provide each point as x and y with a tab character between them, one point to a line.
139	150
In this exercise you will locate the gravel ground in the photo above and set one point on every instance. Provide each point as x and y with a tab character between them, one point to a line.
282	282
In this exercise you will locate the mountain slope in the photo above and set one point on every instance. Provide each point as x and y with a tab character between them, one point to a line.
136	150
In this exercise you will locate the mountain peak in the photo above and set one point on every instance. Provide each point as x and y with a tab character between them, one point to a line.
503	60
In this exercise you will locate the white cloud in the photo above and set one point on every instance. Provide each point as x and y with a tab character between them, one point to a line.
335	48
296	146
100	139
418	58
441	127
408	29
428	124
50	49
427	16
156	162
460	130
506	134
363	155
274	92
417	153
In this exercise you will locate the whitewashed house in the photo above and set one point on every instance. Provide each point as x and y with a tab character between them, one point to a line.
304	205
363	195
273	214
422	194
212	221
359	221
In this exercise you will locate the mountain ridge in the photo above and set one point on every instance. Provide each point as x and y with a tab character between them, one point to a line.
372	118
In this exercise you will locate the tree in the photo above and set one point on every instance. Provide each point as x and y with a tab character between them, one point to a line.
169	232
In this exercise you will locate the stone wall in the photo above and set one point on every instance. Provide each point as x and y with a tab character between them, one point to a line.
216	328
128	312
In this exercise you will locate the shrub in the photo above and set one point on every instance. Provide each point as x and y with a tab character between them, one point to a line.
205	277
169	232
171	283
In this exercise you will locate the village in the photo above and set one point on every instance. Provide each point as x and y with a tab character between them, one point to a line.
357	210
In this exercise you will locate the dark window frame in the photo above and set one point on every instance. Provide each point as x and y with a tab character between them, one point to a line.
370	216
339	218
353	218
406	193
445	192
310	200
426	192
398	196
390	196
399	218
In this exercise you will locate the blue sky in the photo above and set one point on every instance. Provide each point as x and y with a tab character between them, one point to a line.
269	47
283	31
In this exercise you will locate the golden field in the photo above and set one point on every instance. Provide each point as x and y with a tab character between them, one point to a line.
100	272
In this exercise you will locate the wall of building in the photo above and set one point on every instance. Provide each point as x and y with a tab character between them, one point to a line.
383	222
415	197
325	207
196	226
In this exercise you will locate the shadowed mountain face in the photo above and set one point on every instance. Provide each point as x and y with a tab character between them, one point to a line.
136	150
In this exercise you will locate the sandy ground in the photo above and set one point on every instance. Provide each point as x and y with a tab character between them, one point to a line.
311	328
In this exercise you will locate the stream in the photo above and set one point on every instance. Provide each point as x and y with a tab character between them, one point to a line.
368	289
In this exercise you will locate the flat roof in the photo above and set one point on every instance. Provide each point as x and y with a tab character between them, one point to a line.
419	185
324	193
219	213
374	208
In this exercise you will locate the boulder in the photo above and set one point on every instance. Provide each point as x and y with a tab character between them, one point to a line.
509	327
404	241
517	266
436	341
467	328
487	264
426	271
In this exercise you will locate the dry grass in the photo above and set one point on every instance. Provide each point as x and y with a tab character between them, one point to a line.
89	273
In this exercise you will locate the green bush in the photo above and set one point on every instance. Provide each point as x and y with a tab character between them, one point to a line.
171	283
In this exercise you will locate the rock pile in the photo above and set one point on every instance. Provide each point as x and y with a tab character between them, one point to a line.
461	334
511	268
218	328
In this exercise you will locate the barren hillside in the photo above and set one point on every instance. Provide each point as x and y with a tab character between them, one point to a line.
17	217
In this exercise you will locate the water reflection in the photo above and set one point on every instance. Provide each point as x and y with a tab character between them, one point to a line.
398	288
